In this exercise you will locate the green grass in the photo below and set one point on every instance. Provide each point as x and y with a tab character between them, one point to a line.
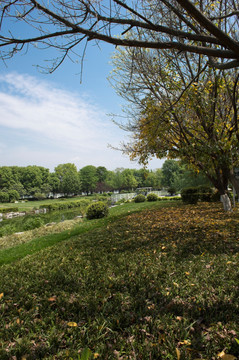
18	252
142	286
30	205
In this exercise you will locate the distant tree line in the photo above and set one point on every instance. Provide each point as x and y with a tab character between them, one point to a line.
38	182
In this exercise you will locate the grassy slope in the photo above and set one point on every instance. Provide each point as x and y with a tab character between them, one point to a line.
135	287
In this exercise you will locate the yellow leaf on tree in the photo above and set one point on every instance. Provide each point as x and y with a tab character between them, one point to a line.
72	324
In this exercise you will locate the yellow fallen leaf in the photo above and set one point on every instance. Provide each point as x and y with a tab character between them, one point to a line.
53	298
1	295
185	342
96	355
187	273
224	356
178	354
18	321
72	324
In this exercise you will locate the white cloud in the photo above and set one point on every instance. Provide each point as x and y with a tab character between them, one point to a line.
52	113
46	125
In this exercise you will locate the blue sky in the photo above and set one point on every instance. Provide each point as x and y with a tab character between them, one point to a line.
50	119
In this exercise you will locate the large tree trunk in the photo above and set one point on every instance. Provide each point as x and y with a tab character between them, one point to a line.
226	202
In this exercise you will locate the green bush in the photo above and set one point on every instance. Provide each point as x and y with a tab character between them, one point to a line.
39	196
205	193
139	198
4	197
152	197
190	195
8	210
33	223
7	229
97	210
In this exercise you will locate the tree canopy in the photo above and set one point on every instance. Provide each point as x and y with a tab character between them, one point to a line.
205	27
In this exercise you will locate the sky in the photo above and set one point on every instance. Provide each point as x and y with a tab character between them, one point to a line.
63	117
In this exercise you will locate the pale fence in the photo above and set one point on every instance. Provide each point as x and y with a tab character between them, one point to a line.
117	197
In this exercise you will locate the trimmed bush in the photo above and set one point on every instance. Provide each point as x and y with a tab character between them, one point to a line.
205	193
8	210
190	195
152	197
97	210
139	198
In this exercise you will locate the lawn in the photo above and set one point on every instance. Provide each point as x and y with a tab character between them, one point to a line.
25	205
148	282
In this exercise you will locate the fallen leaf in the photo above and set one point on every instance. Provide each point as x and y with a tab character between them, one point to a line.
1	295
185	342
72	324
178	354
225	356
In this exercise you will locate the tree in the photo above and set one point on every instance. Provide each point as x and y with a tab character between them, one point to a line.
88	176
198	125
31	178
69	179
129	181
208	27
6	177
54	182
170	171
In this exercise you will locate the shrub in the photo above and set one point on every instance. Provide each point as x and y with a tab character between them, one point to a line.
4	197
7	229
139	198
39	196
8	210
97	210
190	195
152	197
205	193
33	223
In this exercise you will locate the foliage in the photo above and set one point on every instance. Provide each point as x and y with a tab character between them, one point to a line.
69	178
13	195
139	198
190	195
88	176
152	197
97	210
7	229
205	193
138	287
4	197
8	209
198	125
32	223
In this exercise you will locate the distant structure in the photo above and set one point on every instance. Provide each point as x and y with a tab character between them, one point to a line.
144	190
